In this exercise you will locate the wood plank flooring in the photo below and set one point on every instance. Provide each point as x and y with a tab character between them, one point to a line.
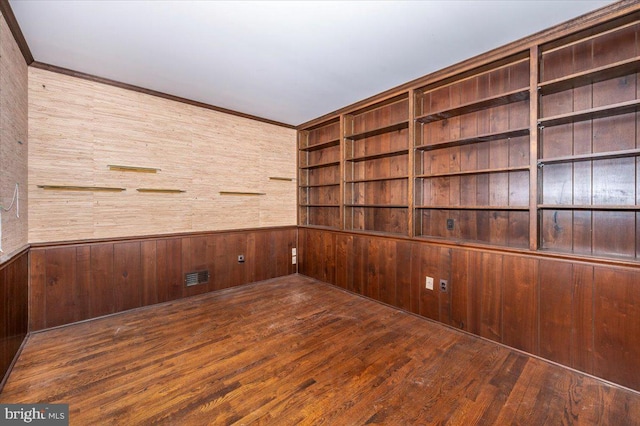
297	351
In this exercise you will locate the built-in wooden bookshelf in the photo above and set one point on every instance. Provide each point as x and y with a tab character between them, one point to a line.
376	152
472	156
319	197
589	154
514	177
535	149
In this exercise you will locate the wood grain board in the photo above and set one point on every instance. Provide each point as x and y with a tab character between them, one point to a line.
75	282
583	315
14	287
294	351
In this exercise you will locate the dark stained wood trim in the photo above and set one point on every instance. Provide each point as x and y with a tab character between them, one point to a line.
14	288
13	362
12	22
596	17
14	256
53	244
102	80
486	248
7	258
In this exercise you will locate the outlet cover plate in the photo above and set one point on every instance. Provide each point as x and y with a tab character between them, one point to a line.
429	283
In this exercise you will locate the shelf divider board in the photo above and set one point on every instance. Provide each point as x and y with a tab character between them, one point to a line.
588	207
379	131
411	159
377	179
379	155
299	174
474	172
386	206
342	173
319	185
320	205
494	101
607	72
316	166
322	145
534	98
434	207
593	113
487	137
593	156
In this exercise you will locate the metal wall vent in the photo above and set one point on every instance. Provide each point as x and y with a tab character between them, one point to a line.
195	278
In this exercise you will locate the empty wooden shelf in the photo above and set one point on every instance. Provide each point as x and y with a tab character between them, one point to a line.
319	175
472	151
479	105
487	137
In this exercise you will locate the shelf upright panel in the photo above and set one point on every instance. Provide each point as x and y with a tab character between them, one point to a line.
534	61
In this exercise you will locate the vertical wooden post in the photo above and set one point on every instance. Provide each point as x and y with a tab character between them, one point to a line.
342	171
299	181
533	147
411	146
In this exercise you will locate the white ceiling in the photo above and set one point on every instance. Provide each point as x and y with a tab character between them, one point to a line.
285	61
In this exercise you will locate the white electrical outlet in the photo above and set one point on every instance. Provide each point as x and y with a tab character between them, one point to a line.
429	283
294	251
294	260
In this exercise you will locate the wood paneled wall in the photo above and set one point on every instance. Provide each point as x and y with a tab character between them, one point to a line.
14	291
13	140
79	127
580	314
75	282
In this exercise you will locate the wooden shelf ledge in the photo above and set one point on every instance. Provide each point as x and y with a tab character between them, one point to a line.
119	168
587	157
599	207
379	206
321	145
319	185
161	190
318	165
590	114
475	172
242	193
497	208
283	179
81	188
376	179
607	72
378	156
379	131
493	101
487	137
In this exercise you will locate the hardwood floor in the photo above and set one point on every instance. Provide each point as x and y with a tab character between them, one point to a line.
293	350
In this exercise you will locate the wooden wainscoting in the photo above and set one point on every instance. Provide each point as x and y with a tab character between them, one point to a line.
295	351
14	291
585	315
79	281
